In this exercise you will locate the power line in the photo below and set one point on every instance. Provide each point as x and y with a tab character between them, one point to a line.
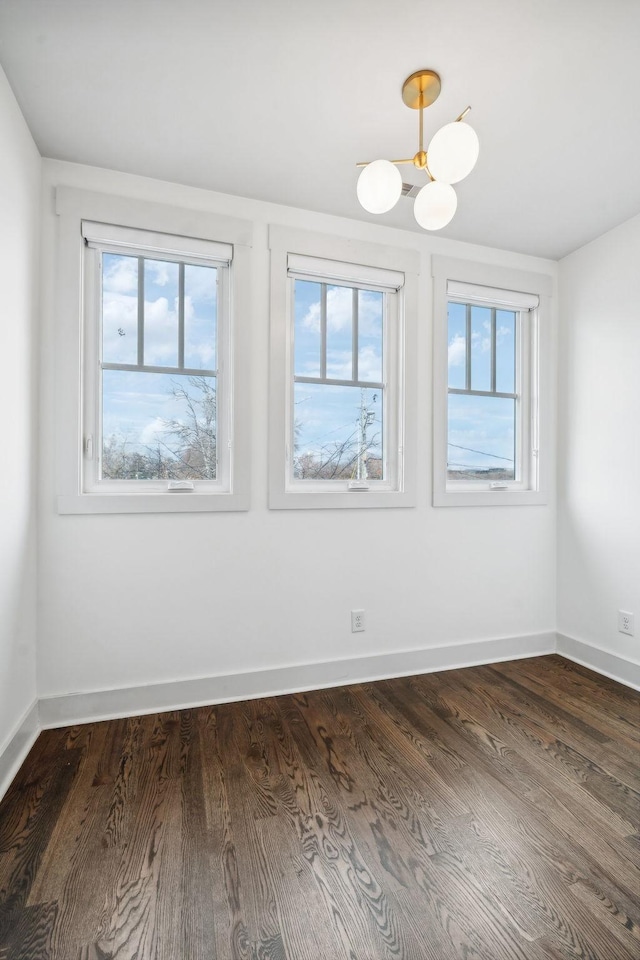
481	452
322	436
473	466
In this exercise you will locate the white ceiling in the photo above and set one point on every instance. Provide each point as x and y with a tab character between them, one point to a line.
278	99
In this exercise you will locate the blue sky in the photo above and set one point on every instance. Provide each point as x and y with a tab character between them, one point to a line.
135	404
326	414
481	429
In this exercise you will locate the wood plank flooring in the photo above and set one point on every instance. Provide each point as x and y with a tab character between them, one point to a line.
489	813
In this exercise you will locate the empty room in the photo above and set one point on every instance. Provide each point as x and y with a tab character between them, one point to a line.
320	509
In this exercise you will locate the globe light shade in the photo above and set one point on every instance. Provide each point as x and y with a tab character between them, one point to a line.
435	205
453	152
379	186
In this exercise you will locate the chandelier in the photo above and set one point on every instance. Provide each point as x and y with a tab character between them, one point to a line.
451	156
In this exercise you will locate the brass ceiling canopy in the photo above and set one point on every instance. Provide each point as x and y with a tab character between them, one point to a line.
421	89
452	155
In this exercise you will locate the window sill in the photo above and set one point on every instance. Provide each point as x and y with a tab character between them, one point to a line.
339	499
96	503
488	498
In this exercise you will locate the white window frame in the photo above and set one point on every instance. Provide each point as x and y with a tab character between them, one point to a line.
146	228
302	254
509	289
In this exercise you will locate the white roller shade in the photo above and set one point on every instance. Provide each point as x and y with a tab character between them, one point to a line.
509	299
352	273
107	234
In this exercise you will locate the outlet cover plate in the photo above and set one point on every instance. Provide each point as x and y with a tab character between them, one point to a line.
625	623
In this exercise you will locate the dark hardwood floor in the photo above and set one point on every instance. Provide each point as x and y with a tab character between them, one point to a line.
484	813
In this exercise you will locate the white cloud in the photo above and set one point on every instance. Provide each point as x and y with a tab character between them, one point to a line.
340	312
311	319
160	272
200	283
120	275
152	432
370	314
120	331
199	337
160	332
157	311
457	345
119	327
369	364
457	351
120	307
339	309
478	342
205	354
339	364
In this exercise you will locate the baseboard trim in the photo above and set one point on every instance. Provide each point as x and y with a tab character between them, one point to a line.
15	750
98	705
608	664
153	698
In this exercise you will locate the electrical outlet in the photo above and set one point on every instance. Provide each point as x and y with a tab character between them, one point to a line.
357	621
625	622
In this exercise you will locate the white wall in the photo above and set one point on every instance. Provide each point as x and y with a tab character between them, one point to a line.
20	178
599	441
128	600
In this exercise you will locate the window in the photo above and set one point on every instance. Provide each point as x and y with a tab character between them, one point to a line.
488	350
342	422
156	431
159	397
339	379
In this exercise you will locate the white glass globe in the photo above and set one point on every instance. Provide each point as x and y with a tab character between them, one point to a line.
379	186
453	152
435	205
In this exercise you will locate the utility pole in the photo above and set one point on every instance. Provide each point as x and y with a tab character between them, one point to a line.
366	417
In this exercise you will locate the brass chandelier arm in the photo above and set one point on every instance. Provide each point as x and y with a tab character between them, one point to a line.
420	158
365	163
453	152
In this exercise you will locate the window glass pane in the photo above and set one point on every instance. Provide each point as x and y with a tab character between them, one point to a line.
480	348
119	308
160	313
158	426
505	351
370	337
337	432
306	333
200	317
481	438
457	345
339	333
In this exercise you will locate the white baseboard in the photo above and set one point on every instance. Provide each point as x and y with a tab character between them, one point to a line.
17	746
86	707
179	694
610	665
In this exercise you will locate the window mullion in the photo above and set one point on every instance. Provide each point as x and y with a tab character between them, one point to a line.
493	350
483	393
335	382
181	316
140	311
323	331
157	368
354	335
467	375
